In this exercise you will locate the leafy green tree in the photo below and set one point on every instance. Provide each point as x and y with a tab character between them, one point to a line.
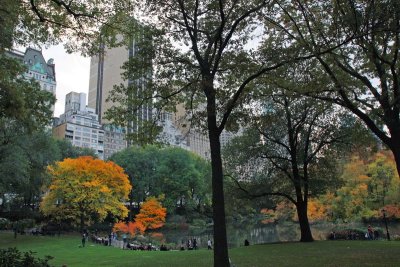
287	153
360	67
67	150
140	165
51	21
384	186
41	22
16	258
196	48
23	167
182	177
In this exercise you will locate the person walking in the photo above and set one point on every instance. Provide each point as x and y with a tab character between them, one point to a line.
209	244
83	240
370	232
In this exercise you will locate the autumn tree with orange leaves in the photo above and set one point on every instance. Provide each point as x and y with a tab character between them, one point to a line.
84	190
151	216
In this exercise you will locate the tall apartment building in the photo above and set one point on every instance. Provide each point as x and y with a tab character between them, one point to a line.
37	68
114	139
105	72
196	140
80	125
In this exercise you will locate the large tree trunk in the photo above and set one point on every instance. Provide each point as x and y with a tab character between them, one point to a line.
220	238
305	229
221	258
396	152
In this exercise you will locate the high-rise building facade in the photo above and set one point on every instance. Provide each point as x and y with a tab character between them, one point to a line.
80	125
37	68
106	72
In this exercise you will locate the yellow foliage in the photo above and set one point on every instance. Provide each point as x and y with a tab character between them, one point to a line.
316	210
84	186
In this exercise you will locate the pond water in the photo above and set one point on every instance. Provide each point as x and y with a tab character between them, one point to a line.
268	233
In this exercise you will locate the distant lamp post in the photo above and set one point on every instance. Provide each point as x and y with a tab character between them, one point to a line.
386	225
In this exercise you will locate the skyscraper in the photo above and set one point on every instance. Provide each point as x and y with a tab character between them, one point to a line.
106	72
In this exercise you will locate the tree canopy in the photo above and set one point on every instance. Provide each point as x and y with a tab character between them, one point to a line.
356	57
85	189
182	177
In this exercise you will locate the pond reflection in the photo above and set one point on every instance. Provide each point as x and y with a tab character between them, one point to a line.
264	233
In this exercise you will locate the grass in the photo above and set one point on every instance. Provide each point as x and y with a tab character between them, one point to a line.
66	250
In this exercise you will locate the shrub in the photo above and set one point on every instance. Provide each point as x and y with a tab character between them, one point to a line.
4	224
11	257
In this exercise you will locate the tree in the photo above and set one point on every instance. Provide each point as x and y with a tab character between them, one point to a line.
196	48
86	189
67	150
24	23
360	69
140	165
24	159
22	102
384	185
51	21
184	179
152	214
24	107
288	154
352	201
369	184
179	175
23	170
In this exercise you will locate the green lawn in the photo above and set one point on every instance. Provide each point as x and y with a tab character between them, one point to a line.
66	250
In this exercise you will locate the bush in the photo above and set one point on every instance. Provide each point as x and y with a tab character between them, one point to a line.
11	257
21	225
4	224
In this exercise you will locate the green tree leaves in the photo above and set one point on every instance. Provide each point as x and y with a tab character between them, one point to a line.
181	176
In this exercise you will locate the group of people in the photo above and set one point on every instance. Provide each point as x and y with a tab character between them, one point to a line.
370	234
191	244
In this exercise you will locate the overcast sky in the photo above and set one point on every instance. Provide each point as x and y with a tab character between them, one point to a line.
72	74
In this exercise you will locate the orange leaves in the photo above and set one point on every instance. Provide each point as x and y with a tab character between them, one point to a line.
136	227
152	214
85	186
316	210
131	228
392	211
269	216
120	227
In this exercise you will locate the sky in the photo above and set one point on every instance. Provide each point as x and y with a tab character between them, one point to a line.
72	74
